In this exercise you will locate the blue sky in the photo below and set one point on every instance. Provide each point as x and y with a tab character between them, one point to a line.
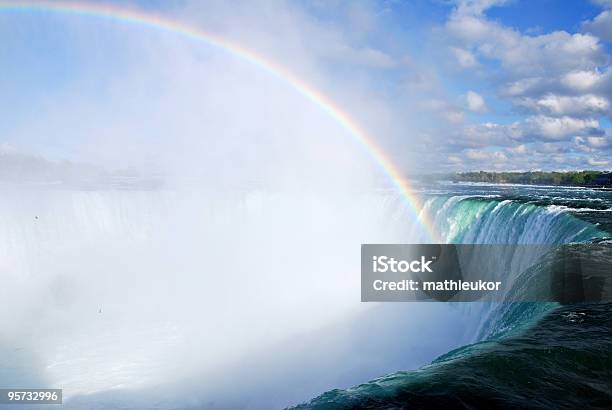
525	84
464	85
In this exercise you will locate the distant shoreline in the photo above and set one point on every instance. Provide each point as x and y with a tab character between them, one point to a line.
587	179
540	185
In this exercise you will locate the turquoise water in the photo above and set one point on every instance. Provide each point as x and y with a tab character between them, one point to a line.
524	355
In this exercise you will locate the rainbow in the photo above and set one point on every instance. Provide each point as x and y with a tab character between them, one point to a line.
163	23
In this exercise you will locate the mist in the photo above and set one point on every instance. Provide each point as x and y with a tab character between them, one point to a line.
244	261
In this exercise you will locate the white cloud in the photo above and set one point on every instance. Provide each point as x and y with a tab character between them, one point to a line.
539	128
477	155
550	147
603	3
598	142
581	80
601	26
519	149
476	7
464	57
484	135
593	144
583	105
475	102
598	162
443	110
454	116
545	54
499	156
560	81
558	128
480	155
521	87
366	56
455	159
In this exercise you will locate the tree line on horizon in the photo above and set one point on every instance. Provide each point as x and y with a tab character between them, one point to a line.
572	178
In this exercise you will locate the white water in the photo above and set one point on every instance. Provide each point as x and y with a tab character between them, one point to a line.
121	291
113	293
